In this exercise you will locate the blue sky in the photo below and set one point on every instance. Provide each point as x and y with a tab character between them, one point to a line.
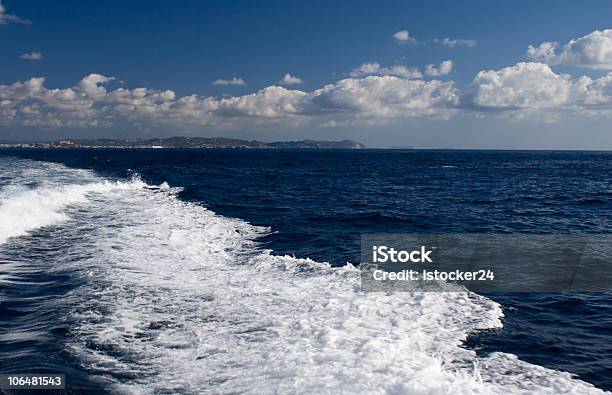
357	64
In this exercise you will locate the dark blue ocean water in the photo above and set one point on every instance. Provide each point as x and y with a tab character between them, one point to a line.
319	202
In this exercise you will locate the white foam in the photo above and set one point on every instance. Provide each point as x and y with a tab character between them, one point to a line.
179	299
24	209
30	209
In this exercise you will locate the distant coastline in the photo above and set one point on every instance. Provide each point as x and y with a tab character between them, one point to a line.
186	142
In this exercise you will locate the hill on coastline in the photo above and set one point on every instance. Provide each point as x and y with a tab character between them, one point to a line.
190	142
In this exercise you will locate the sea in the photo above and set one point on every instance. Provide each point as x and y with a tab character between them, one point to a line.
188	271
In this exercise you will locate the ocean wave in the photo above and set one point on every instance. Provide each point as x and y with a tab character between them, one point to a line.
179	299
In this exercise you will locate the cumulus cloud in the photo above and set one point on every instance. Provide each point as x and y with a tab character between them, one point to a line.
31	56
592	51
403	36
593	95
234	81
374	68
289	79
456	42
92	86
6	18
534	88
387	96
545	52
444	68
529	86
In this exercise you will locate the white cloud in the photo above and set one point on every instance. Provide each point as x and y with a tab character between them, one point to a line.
6	18
31	56
403	36
91	86
386	96
527	86
444	68
374	68
271	102
520	90
533	88
545	52
592	51
456	42
234	81
289	79
90	104
593	95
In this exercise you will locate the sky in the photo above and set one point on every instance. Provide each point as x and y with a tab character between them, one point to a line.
444	74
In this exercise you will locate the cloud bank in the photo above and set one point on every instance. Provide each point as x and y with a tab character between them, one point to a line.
373	94
90	104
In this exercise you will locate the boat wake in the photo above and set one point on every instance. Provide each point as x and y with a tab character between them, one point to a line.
175	298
